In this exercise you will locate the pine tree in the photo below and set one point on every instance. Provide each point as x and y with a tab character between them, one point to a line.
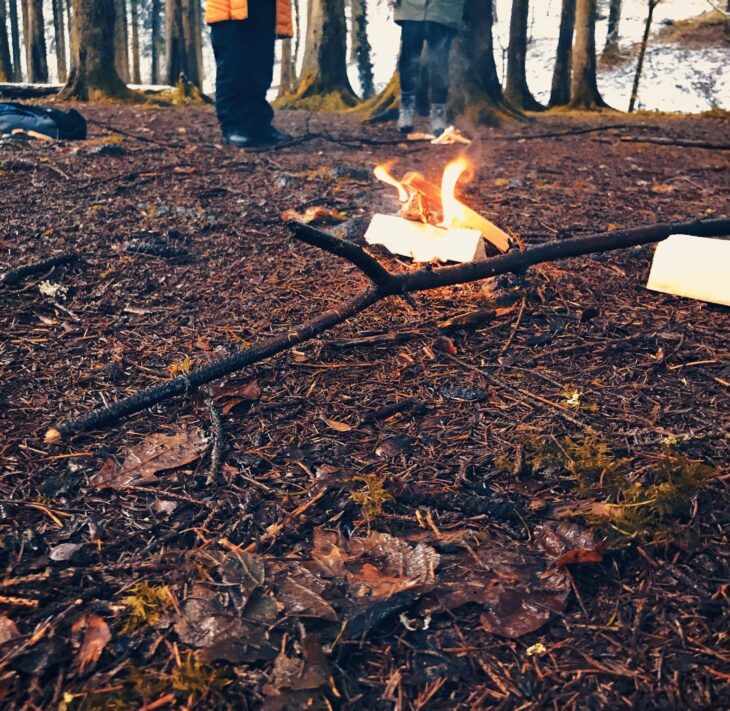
35	41
6	66
324	83
516	88
93	74
584	92
560	91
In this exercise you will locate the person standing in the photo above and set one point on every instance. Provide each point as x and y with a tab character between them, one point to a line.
435	22
243	34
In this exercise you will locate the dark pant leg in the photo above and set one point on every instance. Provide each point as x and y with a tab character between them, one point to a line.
439	46
411	43
227	75
244	56
258	37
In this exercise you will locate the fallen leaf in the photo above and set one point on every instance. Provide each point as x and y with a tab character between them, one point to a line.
335	425
156	453
445	345
8	629
96	636
579	555
315	214
394	446
293	677
227	398
64	551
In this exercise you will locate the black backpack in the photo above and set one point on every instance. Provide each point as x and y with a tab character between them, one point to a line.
69	125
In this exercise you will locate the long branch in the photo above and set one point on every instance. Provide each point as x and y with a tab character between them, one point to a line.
384	284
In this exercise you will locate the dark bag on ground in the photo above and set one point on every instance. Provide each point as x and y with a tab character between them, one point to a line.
68	125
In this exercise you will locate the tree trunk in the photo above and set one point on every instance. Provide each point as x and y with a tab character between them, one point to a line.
364	62
475	89
287	77
92	73
35	42
155	42
614	15
560	92
197	30
584	92
516	88
180	45
324	84
6	66
121	40
136	74
355	10
59	28
15	40
642	54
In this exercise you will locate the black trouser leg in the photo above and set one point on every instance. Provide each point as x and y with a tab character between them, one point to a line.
244	55
411	43
439	46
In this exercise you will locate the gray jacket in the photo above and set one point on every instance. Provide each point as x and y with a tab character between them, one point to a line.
445	12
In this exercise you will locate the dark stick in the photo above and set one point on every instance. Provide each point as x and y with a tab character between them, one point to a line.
677	142
367	264
573	132
15	276
394	285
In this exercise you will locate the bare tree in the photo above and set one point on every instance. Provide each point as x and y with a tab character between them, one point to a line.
642	54
6	65
93	74
15	40
363	52
155	41
614	15
287	74
180	44
34	33
475	89
584	92
134	18
121	40
59	29
516	88
560	91
324	82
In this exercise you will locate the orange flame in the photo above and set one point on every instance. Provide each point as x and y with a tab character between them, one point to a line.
453	210
382	174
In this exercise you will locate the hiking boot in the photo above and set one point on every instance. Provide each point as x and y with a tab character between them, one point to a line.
274	135
406	111
438	119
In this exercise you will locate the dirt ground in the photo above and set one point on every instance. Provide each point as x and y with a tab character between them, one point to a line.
526	512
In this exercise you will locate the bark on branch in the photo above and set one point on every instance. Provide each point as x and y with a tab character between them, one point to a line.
15	276
384	284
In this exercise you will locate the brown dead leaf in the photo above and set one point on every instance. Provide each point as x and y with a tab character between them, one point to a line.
96	636
300	592
8	629
335	425
315	214
157	452
445	345
579	555
294	678
229	397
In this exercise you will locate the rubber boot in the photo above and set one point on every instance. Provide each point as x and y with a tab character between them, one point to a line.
438	119
406	111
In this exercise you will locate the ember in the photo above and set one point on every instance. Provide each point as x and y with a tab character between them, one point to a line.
433	224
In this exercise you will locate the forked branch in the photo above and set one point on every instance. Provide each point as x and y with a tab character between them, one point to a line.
384	284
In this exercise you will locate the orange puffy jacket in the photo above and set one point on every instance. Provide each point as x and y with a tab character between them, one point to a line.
221	10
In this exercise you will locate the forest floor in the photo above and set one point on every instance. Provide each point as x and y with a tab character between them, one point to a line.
526	512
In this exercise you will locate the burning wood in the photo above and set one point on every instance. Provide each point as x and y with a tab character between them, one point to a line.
433	224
